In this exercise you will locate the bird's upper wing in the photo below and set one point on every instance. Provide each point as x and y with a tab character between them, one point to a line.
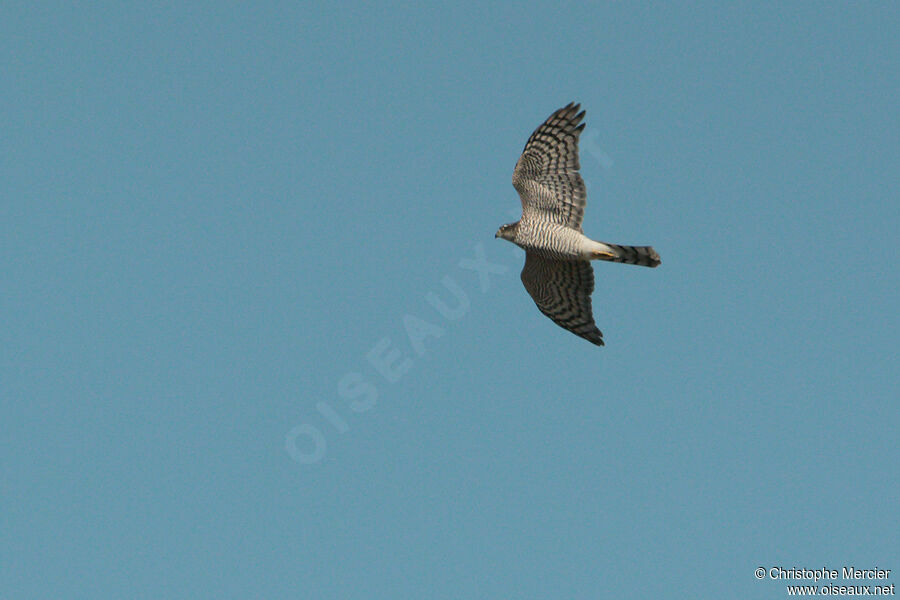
562	291
546	175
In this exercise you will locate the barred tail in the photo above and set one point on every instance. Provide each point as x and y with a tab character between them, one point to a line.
644	256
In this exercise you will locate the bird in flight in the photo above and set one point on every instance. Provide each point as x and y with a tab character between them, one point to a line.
557	272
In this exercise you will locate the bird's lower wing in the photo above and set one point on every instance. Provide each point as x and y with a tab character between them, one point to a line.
561	289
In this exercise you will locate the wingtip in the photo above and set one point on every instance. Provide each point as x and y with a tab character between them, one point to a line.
595	337
576	114
570	108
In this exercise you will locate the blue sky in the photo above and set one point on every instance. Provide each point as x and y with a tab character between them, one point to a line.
214	217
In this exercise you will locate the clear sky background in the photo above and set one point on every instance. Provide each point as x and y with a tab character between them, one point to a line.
212	215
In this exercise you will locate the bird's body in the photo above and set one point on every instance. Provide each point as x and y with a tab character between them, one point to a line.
552	240
557	273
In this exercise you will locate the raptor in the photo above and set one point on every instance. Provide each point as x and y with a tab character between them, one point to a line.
557	272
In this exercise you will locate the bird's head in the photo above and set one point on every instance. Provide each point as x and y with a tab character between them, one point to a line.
508	231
